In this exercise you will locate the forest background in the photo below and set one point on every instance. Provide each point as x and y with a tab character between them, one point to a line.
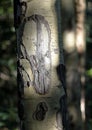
8	85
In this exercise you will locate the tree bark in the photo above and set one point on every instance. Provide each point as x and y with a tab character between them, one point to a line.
80	7
40	64
71	61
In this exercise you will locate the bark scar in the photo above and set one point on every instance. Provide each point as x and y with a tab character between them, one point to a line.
38	62
40	111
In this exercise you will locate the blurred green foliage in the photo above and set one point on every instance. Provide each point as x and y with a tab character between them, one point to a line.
89	66
8	86
89	72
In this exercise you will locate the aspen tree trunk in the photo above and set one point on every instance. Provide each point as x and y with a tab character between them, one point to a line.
80	7
71	61
40	63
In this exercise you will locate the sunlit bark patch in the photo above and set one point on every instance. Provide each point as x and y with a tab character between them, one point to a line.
35	49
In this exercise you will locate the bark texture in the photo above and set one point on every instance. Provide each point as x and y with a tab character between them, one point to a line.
40	64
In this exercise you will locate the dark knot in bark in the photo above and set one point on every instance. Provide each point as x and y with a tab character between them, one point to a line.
40	112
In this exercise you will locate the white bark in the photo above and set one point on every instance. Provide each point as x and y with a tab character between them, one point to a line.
39	57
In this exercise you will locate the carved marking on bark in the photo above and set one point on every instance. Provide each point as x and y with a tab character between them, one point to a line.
40	111
38	62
